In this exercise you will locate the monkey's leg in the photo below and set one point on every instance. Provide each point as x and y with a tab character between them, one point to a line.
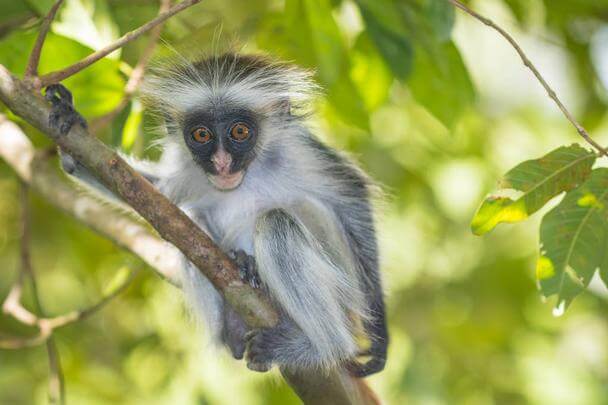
314	294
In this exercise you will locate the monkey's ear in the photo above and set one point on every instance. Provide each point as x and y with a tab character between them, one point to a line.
282	107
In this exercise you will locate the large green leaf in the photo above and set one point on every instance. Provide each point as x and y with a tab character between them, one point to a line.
574	238
386	29
539	180
440	82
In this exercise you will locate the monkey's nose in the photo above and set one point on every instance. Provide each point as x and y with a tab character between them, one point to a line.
222	161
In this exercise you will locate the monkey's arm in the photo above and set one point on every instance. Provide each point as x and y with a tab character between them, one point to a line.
74	168
305	268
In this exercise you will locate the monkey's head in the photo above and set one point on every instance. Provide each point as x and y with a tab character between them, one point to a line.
228	109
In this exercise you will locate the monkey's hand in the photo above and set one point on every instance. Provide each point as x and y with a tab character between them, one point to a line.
247	267
63	115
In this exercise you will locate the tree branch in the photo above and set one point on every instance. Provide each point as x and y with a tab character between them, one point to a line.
550	92
59	75
31	69
120	227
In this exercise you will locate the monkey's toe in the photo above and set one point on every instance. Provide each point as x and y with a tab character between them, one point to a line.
259	353
63	116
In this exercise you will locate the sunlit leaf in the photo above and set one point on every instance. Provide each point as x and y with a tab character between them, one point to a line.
574	237
132	125
369	73
119	278
88	22
539	180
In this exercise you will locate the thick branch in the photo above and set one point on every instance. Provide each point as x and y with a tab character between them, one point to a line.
550	92
59	75
32	64
120	227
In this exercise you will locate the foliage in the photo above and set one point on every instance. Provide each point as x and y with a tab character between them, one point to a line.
434	115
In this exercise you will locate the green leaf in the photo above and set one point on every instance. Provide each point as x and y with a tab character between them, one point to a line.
386	29
308	34
117	281
539	180
574	237
369	73
441	83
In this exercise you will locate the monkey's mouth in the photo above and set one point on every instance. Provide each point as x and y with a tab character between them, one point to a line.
226	182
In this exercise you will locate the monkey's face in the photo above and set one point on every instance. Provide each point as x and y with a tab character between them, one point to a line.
222	143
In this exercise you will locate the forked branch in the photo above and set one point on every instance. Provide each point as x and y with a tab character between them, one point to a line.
59	75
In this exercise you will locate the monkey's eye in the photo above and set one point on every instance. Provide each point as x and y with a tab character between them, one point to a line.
240	132
201	135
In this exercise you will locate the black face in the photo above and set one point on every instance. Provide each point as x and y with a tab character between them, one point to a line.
233	130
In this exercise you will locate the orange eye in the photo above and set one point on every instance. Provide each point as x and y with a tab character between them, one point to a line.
240	132
201	135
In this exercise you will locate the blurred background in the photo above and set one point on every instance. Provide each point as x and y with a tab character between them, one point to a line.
434	105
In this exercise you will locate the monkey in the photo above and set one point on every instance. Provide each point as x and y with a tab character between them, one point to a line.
240	159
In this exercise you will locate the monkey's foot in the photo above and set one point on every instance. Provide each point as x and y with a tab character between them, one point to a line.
247	268
372	366
63	115
259	349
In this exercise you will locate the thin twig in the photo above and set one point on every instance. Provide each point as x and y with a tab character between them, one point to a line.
579	128
56	380
59	75
46	325
31	69
135	77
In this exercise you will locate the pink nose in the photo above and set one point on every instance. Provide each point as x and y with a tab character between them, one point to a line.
222	161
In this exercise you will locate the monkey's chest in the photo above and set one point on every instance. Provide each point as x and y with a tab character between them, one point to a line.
232	227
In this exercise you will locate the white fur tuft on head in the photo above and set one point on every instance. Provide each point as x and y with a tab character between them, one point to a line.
254	82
